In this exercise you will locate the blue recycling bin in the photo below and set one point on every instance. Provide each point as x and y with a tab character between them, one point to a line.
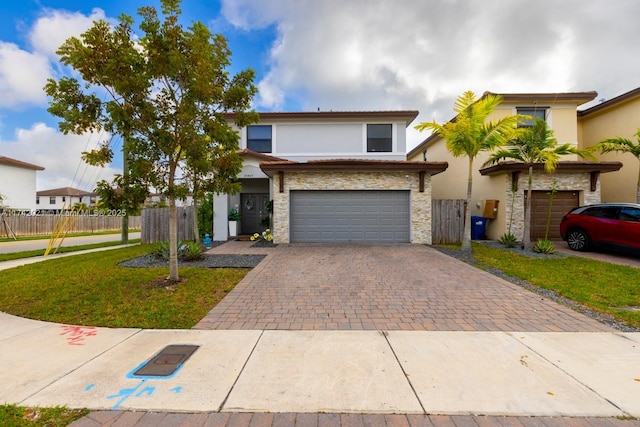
478	227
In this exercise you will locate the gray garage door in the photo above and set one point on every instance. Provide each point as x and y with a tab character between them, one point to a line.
349	216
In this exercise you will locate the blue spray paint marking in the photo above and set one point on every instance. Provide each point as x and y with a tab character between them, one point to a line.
139	390
126	393
89	387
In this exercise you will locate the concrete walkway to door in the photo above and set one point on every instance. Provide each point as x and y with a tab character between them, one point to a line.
381	287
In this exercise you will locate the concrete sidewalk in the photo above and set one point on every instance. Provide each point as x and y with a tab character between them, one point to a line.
317	377
578	374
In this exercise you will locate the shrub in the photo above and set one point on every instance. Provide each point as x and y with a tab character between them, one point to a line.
187	251
544	246
508	240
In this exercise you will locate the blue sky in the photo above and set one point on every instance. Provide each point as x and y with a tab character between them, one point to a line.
333	55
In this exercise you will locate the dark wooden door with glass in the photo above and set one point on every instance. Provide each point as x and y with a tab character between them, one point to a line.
255	216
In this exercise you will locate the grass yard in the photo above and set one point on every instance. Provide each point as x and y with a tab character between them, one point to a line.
92	290
12	415
607	288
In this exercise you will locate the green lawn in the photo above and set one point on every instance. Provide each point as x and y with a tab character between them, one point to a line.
12	415
92	290
607	288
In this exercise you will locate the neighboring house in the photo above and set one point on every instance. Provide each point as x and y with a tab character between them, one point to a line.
617	117
156	199
577	181
331	176
18	183
64	198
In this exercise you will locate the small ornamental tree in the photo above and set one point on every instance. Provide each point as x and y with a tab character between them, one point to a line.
534	145
469	133
164	93
623	145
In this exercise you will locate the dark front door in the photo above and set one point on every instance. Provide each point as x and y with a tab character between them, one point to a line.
255	217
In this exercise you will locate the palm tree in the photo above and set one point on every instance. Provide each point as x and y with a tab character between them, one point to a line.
469	133
534	145
622	145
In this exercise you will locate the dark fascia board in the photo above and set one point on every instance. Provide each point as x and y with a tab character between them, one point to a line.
407	116
265	157
550	98
19	164
611	102
355	165
568	166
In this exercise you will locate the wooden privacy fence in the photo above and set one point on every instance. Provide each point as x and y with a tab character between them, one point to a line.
155	224
447	221
44	224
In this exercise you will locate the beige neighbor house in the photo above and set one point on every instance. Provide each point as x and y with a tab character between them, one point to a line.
18	184
616	117
499	191
331	177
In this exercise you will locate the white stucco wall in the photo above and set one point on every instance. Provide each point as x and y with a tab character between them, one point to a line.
18	186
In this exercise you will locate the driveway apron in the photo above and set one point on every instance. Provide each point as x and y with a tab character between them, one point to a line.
384	287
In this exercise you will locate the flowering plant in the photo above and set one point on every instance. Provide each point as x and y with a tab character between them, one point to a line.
266	235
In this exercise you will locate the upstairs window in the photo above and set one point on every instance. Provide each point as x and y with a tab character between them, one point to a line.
534	112
259	138
37	200
52	200
379	138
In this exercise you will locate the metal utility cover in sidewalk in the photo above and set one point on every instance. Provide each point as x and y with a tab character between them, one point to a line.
167	361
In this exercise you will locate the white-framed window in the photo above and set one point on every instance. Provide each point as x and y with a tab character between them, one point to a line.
52	200
379	138
37	200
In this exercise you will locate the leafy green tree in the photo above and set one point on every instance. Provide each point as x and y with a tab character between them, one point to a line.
165	93
622	145
534	145
470	133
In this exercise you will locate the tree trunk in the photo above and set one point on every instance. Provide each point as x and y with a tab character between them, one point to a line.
124	235
466	235
638	188
526	237
196	231
173	240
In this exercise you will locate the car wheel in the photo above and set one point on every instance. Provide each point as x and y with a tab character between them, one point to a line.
578	240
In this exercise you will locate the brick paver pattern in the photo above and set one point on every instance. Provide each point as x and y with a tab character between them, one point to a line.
383	287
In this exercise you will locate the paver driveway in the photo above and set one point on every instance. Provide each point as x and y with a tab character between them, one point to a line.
383	287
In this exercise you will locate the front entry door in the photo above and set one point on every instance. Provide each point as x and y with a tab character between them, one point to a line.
254	212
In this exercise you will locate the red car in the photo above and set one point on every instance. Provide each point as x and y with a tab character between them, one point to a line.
607	225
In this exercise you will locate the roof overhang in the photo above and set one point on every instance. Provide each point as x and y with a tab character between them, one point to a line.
8	161
354	165
547	98
563	167
406	116
260	156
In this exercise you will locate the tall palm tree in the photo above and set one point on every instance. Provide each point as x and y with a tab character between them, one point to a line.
622	145
534	145
469	133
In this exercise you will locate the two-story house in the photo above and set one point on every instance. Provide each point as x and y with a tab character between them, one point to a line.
64	198
617	117
18	184
331	176
504	185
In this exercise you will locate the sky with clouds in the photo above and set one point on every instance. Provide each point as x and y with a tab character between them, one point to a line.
332	55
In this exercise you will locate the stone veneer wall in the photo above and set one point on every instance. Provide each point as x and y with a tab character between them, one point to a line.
543	181
420	202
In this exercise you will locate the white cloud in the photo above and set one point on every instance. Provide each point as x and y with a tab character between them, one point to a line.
22	76
55	26
60	155
378	54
